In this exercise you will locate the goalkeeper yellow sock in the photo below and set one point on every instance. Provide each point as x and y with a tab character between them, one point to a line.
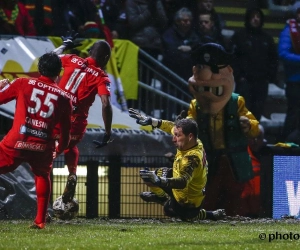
201	215
209	215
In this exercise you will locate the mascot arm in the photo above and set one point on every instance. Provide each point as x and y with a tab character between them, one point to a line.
192	112
243	111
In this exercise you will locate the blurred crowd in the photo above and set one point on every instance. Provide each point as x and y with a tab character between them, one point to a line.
163	28
160	27
284	2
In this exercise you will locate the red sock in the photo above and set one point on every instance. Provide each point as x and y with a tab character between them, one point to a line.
43	188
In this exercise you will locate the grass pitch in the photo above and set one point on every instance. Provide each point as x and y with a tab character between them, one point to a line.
154	234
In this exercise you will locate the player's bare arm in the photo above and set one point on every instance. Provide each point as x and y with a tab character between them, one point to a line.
106	113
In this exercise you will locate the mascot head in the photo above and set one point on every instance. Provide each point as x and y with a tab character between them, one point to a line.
212	82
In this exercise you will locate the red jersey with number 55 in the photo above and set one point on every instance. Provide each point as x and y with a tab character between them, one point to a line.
40	106
82	80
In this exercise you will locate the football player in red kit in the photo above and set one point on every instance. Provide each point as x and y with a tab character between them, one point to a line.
40	106
82	80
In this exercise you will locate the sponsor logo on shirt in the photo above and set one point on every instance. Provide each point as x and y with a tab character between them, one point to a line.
53	89
33	132
73	137
32	146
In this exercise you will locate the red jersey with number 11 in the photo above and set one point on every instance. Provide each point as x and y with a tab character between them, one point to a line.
83	80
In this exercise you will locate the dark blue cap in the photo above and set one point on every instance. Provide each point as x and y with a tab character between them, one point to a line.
211	54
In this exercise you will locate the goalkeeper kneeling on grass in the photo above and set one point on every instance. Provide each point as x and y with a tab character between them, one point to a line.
179	189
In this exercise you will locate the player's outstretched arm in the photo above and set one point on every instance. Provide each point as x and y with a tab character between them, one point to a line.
68	42
143	119
107	113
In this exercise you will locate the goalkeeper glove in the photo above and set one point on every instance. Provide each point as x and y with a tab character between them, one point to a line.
144	120
68	40
106	139
150	176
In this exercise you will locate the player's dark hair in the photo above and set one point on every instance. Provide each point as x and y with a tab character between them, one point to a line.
49	65
188	126
100	51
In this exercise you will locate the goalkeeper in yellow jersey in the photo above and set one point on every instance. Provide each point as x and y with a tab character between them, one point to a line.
180	189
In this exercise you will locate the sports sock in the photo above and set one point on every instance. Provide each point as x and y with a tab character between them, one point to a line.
203	214
43	187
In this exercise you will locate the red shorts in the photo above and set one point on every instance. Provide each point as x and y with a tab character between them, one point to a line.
77	132
40	162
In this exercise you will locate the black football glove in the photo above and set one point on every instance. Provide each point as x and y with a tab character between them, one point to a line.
69	39
106	139
144	120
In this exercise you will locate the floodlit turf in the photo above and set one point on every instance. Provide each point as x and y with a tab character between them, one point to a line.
150	234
